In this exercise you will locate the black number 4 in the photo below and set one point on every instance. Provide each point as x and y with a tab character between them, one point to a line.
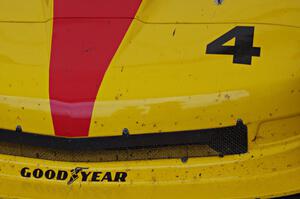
243	49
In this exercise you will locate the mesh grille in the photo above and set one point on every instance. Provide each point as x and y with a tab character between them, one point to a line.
183	144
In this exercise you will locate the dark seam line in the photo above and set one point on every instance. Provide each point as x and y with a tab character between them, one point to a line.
153	22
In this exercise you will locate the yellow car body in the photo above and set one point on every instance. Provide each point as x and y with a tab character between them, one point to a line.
160	78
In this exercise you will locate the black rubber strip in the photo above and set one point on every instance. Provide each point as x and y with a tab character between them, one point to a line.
296	196
226	140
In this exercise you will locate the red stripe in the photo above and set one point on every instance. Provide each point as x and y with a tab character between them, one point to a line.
96	8
82	49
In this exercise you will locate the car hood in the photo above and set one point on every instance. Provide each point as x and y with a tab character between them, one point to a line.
76	69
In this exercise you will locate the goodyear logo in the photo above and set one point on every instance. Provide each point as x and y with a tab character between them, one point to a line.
79	173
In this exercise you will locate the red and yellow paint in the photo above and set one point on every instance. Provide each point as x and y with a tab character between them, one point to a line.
85	38
91	68
79	69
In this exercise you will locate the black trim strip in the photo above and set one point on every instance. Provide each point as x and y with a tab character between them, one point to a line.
295	196
226	140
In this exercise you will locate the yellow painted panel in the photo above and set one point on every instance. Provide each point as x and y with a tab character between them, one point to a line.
161	79
24	65
230	11
25	10
278	130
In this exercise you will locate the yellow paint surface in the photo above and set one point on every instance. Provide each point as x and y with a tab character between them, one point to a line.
161	80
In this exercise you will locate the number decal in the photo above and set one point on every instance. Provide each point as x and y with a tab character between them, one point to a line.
243	49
